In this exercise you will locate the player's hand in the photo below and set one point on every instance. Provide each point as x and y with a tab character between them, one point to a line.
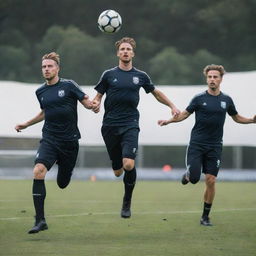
20	127
163	122
95	106
87	103
254	119
175	111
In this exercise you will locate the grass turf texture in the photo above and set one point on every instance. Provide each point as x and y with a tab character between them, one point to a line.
84	219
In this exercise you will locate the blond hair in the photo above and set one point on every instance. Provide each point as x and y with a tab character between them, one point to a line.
219	68
52	56
128	40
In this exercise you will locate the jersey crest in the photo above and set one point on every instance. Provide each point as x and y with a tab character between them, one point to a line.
135	80
61	93
223	104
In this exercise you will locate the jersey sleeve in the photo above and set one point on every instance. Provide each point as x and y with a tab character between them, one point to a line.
148	85
77	91
38	98
192	105
231	108
102	85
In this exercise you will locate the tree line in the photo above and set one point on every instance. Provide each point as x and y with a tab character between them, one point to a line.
175	38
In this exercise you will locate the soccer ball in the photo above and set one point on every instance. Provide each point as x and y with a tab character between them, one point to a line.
109	21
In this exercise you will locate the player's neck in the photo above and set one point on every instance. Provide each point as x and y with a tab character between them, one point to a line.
125	66
215	92
53	80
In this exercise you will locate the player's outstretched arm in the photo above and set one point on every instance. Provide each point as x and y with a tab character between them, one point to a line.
244	120
38	118
86	102
175	119
96	102
162	98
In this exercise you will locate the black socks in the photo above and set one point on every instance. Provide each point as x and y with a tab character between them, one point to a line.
39	194
207	208
129	183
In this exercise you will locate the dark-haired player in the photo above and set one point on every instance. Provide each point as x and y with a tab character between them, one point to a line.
58	101
205	146
120	129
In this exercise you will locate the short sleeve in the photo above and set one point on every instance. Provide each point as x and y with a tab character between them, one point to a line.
37	95
102	85
231	108
77	91
148	85
192	105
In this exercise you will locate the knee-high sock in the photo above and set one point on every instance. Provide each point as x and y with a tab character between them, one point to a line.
207	209
129	183
39	194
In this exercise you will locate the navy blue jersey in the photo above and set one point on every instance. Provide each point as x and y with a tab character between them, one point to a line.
122	95
59	103
210	113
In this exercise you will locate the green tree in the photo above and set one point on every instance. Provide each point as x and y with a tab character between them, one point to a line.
14	63
169	67
224	28
197	62
83	57
14	38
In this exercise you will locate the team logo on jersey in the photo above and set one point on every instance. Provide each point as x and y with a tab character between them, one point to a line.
61	93
135	80
223	104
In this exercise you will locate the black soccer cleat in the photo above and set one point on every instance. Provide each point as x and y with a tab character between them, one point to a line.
126	209
184	179
205	221
39	226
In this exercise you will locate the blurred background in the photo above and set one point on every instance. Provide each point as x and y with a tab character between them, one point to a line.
175	40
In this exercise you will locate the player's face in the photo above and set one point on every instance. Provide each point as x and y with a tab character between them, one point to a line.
125	52
50	69
213	80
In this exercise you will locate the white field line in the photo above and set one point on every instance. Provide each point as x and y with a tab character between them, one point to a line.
63	201
135	213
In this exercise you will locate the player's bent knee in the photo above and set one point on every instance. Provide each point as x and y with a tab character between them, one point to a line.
39	171
194	180
63	180
63	184
64	177
128	164
210	180
119	172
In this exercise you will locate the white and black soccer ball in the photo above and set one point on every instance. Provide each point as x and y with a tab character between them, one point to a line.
109	21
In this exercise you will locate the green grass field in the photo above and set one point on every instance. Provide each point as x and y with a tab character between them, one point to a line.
84	219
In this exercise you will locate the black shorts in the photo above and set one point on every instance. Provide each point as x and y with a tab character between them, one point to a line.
121	142
205	158
64	153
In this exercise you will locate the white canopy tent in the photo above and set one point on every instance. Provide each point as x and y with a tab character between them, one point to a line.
19	104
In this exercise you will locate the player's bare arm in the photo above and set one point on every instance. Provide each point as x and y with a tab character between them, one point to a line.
175	119
96	103
86	102
38	118
244	120
162	98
